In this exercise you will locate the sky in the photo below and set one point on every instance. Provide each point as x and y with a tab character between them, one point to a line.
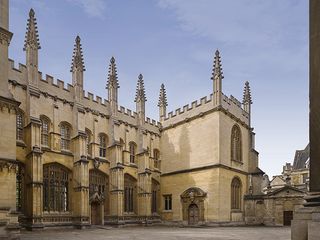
173	42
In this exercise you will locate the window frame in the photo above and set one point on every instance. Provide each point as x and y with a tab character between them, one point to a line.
167	202
65	136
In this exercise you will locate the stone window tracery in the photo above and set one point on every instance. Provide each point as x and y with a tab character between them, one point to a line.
44	131
156	155
132	149
55	188
88	142
130	193
167	202
65	132
236	194
102	145
236	144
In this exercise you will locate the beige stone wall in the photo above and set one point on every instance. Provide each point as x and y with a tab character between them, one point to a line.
216	182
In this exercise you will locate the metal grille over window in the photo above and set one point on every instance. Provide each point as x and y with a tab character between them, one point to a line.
19	126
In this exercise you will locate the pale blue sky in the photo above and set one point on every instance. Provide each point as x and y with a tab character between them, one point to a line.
173	42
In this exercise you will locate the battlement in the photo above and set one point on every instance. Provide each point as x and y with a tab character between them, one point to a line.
131	117
205	104
189	107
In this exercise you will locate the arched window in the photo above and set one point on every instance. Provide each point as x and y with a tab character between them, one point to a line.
88	141
156	156
236	193
236	144
132	149
65	131
44	131
155	196
122	148
130	194
55	188
20	123
102	145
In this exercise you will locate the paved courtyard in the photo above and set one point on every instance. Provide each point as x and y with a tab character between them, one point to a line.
167	233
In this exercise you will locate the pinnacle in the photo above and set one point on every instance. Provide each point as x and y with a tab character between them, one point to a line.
247	94
140	93
112	75
32	36
162	97
217	67
77	58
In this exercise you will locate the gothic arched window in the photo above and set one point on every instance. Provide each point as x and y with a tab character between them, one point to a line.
103	145
236	193
236	144
155	196
19	124
156	156
55	188
44	131
132	149
88	141
130	194
65	131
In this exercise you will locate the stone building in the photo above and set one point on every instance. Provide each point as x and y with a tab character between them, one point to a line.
281	197
68	158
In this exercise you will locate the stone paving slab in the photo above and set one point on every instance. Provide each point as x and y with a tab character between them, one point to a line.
167	233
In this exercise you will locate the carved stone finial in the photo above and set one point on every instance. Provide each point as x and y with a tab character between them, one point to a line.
140	93
162	97
217	67
112	75
77	58
32	36
247	94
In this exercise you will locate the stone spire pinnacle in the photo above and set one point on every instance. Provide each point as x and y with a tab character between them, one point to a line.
140	93
162	97
32	36
247	94
112	75
217	67
77	58
217	76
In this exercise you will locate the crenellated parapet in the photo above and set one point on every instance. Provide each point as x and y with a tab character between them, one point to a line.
229	105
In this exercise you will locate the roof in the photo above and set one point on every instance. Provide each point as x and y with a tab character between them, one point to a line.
286	188
301	157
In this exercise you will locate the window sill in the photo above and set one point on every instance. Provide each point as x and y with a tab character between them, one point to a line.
133	165
236	211
21	143
45	148
67	152
238	162
167	211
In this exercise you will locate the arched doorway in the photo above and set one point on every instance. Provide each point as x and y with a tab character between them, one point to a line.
193	206
98	196
193	214
96	213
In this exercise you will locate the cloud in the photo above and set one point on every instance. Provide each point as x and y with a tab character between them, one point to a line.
94	8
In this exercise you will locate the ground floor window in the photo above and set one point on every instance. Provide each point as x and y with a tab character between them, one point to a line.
55	188
167	202
19	188
130	193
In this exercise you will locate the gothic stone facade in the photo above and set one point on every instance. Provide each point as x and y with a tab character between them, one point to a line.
68	158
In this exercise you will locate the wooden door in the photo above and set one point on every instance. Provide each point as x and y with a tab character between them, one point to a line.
95	214
193	213
287	217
